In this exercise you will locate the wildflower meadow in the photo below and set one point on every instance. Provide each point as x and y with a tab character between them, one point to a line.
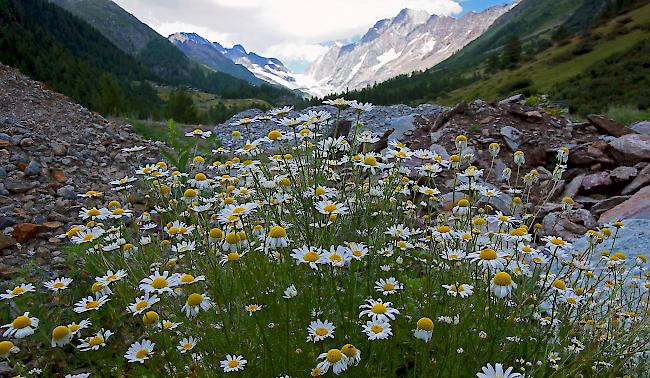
305	253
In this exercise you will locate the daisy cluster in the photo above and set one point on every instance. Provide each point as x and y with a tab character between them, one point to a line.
304	253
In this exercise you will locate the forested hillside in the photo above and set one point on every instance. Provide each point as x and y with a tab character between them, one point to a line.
53	46
527	43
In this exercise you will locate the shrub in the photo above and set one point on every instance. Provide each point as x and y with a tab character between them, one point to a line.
325	257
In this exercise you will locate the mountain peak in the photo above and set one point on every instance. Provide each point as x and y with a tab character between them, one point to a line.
183	37
412	15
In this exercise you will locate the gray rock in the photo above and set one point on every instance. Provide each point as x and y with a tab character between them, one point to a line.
623	174
631	148
573	188
6	222
642	127
641	180
633	239
596	181
3	189
18	186
511	136
602	206
33	168
440	150
67	192
511	99
3	172
569	225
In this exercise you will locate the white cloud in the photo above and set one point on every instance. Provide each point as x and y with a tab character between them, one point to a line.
295	51
291	29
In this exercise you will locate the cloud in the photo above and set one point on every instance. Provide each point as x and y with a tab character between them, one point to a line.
291	29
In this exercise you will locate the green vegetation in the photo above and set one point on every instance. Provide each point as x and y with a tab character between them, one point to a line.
44	42
51	45
572	50
627	115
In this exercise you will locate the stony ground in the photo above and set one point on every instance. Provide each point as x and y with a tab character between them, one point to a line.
51	150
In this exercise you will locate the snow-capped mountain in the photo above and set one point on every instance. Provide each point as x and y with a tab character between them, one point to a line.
270	70
236	61
411	41
204	51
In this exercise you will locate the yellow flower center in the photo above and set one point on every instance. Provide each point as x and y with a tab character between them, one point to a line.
376	328
320	191
187	346
58	285
187	278
93	212
378	308
21	322
17	291
91	304
274	135
74	327
97	340
150	317
320	331
310	256
559	284
334	356
443	229
5	347
349	350
425	324
277	232
200	177
232	238
488	254
233	364
140	305
370	160
502	279
330	208
142	353
556	241
159	283
194	299
336	258
88	237
571	300
60	332
388	287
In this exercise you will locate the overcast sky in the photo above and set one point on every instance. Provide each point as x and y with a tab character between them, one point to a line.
291	30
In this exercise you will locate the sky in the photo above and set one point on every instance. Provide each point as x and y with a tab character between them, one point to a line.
294	31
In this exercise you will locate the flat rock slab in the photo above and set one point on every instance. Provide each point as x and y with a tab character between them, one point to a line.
637	207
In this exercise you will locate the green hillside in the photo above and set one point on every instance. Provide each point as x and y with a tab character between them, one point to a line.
161	56
537	47
48	44
575	68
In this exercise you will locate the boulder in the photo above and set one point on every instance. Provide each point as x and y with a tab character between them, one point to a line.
24	232
440	150
512	137
569	225
642	127
632	240
609	126
602	206
511	99
623	174
631	149
18	186
6	241
573	188
641	180
596	181
637	207
59	176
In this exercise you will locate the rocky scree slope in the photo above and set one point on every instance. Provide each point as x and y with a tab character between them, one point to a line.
51	150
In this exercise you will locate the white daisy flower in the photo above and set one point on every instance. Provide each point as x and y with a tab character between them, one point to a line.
320	330
139	351
21	327
233	363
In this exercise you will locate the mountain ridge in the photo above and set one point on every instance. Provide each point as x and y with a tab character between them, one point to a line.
411	41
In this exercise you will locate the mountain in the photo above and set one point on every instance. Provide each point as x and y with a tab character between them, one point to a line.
411	41
157	53
271	70
250	66
51	45
203	51
539	46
